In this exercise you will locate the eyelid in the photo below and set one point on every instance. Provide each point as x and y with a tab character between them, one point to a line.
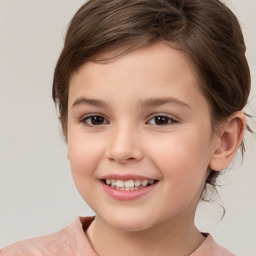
173	119
84	118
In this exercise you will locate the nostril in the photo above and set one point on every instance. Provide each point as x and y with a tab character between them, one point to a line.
124	149
130	158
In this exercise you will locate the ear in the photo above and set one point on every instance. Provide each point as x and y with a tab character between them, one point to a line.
229	138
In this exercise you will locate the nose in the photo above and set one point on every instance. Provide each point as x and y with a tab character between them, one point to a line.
124	146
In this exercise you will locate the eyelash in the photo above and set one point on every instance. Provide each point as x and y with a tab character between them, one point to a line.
170	120
161	117
89	117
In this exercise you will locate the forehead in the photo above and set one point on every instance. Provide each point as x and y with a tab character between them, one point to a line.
168	57
146	72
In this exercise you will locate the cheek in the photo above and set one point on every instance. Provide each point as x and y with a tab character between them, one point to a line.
84	154
181	149
183	160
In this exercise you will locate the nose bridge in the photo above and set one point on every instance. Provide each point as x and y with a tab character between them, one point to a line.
124	144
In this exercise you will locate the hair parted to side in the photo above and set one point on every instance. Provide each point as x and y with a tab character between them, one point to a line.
206	30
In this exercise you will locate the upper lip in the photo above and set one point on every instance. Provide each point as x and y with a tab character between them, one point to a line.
126	177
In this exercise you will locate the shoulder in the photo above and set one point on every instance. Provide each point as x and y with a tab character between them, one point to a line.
64	242
42	245
211	248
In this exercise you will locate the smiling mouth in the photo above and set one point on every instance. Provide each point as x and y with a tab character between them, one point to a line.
128	184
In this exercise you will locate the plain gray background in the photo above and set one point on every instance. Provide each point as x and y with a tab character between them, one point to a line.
37	194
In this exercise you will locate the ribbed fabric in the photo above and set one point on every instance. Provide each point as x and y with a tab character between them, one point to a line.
72	241
210	248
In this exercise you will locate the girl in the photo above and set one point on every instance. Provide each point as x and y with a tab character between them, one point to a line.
150	95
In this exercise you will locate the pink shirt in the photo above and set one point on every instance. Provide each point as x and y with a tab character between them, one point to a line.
72	241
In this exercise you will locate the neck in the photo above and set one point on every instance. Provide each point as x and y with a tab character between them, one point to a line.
176	237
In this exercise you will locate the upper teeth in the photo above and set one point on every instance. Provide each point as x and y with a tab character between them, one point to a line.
128	183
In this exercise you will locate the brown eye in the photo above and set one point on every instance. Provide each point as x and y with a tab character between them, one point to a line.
161	120
95	120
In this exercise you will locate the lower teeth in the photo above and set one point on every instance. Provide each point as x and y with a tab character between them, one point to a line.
127	189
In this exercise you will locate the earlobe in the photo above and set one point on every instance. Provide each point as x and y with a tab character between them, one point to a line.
229	138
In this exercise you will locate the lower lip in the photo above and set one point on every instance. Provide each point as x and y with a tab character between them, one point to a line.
124	195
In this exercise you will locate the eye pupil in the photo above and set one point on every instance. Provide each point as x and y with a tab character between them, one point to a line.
97	120
161	120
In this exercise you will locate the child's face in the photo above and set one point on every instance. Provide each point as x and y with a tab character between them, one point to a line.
141	117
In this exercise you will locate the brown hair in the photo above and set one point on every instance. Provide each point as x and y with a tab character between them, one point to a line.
206	30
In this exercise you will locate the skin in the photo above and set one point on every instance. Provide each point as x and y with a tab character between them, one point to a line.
127	140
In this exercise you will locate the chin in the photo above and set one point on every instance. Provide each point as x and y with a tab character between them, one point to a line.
128	222
129	227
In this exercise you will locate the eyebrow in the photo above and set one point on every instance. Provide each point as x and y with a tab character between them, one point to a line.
162	101
150	102
87	101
